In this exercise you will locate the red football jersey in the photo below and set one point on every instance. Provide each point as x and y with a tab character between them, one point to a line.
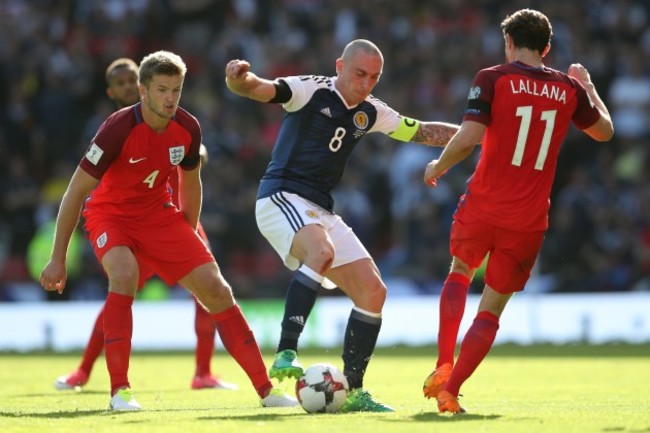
133	163
527	112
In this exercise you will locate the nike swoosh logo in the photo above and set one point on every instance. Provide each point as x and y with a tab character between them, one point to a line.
133	161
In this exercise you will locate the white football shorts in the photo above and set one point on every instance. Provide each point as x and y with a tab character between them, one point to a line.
280	216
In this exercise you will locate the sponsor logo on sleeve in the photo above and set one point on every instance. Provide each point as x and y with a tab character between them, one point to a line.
474	93
94	154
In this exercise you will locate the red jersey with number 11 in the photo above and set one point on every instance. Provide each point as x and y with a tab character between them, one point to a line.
527	112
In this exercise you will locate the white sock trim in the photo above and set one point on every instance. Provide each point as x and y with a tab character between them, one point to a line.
309	272
367	313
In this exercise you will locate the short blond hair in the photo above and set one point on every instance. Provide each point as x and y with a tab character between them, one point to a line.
161	63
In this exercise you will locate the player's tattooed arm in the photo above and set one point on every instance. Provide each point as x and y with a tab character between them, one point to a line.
435	133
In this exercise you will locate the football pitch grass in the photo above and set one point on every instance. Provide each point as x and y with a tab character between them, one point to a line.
516	389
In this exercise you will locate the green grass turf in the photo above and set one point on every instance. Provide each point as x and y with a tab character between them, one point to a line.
516	389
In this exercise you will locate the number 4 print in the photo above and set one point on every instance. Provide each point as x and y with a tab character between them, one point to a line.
526	114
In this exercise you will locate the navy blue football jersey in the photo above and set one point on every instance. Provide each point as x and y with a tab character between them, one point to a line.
317	136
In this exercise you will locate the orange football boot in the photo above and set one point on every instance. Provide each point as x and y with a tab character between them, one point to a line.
448	403
436	381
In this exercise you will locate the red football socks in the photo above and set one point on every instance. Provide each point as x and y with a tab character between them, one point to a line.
473	349
95	345
205	329
118	329
452	307
239	341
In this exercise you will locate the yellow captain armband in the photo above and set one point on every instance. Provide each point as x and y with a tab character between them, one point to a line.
406	129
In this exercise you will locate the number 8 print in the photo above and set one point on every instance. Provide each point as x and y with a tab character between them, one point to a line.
337	140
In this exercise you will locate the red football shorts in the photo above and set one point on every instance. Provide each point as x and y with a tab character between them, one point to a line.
169	248
512	254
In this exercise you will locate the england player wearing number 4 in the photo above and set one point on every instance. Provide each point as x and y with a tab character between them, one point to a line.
326	118
521	112
122	185
122	89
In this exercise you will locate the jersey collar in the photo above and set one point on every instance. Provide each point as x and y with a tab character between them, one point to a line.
349	107
523	65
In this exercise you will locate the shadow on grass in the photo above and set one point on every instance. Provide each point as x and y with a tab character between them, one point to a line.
255	417
89	392
437	417
70	393
56	415
626	430
421	417
71	414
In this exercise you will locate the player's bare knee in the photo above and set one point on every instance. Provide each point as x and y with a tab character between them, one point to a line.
371	296
217	295
123	280
321	258
460	267
376	294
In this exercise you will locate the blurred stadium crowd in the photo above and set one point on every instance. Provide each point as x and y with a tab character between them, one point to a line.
53	54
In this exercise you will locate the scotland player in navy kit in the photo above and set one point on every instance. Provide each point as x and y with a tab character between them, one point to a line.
326	117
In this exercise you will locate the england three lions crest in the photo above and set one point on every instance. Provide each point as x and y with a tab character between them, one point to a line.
176	154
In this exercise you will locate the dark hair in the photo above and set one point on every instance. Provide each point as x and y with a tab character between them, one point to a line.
121	63
528	28
161	63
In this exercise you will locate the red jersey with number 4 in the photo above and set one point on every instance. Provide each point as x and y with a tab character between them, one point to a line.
134	162
527	112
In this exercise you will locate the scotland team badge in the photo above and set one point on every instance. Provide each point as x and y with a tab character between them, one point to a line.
176	154
360	120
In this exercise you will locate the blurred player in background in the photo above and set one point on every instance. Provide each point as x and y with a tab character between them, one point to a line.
122	88
521	112
135	229
326	117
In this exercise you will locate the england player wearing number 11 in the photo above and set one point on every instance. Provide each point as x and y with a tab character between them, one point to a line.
326	117
520	112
